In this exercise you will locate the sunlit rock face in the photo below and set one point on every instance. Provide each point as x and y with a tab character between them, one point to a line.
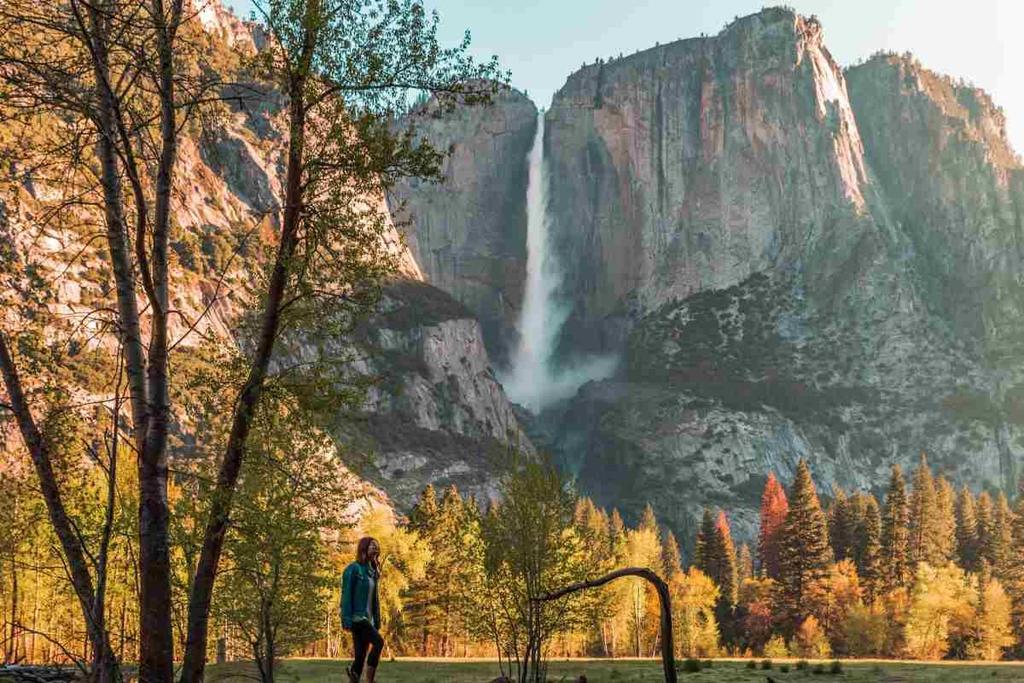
469	233
793	262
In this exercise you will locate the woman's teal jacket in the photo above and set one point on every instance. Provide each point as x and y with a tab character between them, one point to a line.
355	594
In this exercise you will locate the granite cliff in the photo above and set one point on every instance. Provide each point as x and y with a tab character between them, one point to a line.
469	235
793	260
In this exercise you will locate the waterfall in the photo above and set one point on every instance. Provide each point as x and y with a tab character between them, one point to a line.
533	381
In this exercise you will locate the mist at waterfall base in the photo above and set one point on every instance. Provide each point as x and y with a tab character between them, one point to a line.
533	381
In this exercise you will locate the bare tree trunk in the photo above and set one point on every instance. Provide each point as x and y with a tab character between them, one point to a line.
156	658
12	644
668	648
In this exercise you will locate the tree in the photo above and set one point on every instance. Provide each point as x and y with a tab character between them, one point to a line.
866	632
984	528
966	530
345	68
438	599
774	507
895	561
694	596
671	558
833	597
810	640
744	564
278	571
643	549
530	550
600	605
941	601
841	524
944	526
922	535
805	554
756	612
704	542
869	561
993	630
998	549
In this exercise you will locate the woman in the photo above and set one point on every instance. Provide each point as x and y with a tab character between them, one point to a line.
360	608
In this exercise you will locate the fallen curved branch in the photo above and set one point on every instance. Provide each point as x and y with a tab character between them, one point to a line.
668	660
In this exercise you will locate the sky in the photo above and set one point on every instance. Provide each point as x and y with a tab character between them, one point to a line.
542	41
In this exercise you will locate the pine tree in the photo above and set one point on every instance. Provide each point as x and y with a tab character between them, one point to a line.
922	516
1015	576
985	526
966	530
725	574
944	528
671	557
744	564
703	548
870	561
804	552
1000	543
895	561
840	533
648	522
774	508
422	514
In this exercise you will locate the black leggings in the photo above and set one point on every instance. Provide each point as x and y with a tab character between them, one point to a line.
365	636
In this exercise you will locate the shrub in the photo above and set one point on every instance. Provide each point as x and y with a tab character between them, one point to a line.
776	647
766	664
836	668
819	669
691	665
751	664
707	663
784	668
802	665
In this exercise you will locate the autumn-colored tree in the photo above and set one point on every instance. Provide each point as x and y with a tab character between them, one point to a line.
810	640
774	507
992	625
832	597
805	553
941	602
694	597
865	632
756	613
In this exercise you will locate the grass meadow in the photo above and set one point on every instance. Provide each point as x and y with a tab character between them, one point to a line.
631	670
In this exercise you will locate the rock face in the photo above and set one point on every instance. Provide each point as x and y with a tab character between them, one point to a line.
469	234
435	412
791	266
